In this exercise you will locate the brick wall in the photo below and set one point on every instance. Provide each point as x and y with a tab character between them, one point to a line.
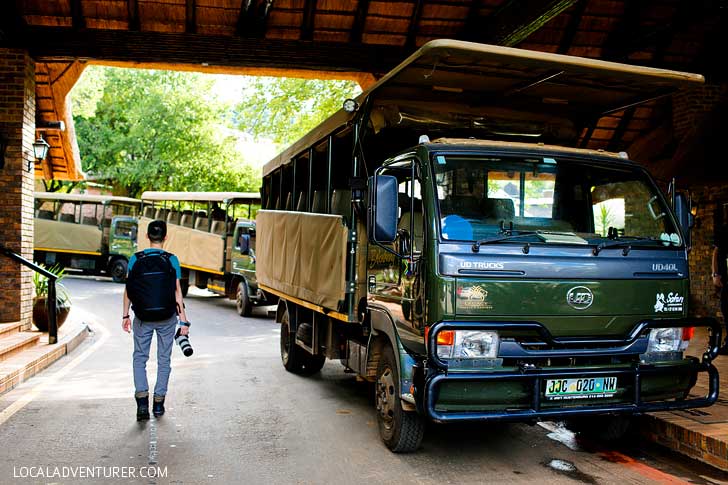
689	107
703	298
17	125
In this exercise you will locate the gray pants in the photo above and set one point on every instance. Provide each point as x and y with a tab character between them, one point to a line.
142	342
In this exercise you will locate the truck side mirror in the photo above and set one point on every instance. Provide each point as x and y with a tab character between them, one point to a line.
684	217
245	244
382	213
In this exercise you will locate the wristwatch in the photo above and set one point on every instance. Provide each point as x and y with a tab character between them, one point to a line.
184	324
716	275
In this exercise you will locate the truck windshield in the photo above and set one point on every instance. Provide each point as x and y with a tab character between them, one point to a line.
562	201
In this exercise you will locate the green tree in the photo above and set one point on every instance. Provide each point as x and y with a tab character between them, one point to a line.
285	109
158	130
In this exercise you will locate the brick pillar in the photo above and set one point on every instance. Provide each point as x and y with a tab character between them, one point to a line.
17	125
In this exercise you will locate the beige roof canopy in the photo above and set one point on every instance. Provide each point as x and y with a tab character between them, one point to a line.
475	79
97	199
201	196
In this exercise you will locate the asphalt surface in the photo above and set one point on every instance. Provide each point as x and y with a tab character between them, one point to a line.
234	415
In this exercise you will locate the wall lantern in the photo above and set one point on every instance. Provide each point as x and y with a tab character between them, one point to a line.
40	151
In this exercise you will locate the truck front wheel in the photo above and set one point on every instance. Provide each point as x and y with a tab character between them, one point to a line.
294	358
244	305
118	269
401	431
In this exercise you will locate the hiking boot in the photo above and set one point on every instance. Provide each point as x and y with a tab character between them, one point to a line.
142	407
158	406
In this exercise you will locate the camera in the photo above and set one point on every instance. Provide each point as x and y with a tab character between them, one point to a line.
184	343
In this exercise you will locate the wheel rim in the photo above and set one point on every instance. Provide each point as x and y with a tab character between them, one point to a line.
240	299
385	398
117	271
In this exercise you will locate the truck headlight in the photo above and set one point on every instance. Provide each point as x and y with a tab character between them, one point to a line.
669	339
467	344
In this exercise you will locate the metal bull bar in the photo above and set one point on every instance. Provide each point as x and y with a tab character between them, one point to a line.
438	372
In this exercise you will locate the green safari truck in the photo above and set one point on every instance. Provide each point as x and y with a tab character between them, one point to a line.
450	237
94	234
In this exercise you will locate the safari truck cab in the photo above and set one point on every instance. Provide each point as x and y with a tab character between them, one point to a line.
205	230
95	234
470	255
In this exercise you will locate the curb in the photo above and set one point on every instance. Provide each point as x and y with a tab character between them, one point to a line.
687	438
67	344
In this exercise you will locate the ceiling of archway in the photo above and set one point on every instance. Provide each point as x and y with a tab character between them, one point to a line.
355	39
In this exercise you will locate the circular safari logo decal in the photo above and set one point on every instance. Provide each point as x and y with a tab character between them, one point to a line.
580	298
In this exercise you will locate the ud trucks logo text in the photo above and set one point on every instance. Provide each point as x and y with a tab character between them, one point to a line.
580	298
481	265
673	302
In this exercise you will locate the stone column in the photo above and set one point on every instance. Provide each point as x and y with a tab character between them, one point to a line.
17	126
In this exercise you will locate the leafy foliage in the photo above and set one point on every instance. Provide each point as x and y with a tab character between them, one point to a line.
158	130
285	109
40	282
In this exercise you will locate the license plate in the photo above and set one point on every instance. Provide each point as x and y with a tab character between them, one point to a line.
582	388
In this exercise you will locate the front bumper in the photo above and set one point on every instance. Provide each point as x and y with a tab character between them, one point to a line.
534	406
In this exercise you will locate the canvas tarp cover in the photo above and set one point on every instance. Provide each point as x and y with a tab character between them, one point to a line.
193	248
302	255
67	236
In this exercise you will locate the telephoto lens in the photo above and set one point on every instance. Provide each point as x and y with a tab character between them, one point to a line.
184	343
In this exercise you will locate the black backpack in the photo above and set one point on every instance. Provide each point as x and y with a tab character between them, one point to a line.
151	286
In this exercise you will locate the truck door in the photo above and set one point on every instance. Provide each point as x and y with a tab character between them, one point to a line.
123	236
243	255
395	279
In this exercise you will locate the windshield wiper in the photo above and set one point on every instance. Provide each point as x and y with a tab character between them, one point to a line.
625	241
506	236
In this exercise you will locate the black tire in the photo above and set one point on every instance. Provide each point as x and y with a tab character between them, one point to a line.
242	300
402	431
185	287
294	358
118	270
602	428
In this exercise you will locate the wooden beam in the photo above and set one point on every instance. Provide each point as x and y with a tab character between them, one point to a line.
56	43
414	22
309	20
191	17
77	18
621	41
516	20
616	140
242	26
11	20
132	7
360	18
253	18
472	20
567	38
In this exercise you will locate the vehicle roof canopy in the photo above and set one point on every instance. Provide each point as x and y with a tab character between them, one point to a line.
245	197
97	199
502	91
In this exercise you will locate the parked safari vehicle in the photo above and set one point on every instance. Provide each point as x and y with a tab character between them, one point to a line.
215	244
495	273
92	233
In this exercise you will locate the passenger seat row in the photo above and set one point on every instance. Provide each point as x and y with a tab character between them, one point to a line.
186	218
86	220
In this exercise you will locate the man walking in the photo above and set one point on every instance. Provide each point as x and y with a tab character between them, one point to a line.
720	276
154	292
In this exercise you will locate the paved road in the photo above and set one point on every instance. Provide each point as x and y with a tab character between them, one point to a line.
235	416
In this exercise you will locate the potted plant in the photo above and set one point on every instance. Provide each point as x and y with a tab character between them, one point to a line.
40	302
